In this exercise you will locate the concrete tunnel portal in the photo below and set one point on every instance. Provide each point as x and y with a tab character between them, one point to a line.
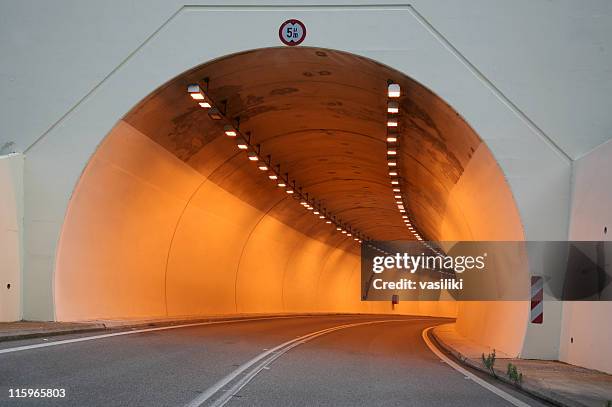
170	218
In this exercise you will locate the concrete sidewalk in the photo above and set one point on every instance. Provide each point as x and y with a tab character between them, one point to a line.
29	329
559	383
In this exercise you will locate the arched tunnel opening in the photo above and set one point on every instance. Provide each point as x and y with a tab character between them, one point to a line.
170	218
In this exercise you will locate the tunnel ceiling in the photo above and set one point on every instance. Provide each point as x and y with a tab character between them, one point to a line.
321	115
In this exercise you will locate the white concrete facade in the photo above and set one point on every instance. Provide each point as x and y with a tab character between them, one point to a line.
530	78
11	233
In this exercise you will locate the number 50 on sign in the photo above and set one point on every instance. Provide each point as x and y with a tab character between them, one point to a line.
292	32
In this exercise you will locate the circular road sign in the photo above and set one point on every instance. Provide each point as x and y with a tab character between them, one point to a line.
292	32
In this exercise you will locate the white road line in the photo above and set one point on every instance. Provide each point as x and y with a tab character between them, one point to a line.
506	396
262	361
137	331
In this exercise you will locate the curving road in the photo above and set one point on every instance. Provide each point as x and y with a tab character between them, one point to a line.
296	361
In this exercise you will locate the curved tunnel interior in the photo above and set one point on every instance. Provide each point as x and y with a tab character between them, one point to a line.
169	218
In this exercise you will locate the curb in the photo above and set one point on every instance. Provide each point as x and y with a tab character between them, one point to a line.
528	388
55	332
110	326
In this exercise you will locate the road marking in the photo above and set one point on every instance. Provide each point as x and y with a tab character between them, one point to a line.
137	331
247	371
469	375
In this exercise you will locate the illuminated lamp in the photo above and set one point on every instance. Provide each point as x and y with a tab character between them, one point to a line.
229	131
195	92
241	143
253	156
393	90
392	107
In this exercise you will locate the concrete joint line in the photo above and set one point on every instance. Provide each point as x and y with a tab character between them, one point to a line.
469	375
219	394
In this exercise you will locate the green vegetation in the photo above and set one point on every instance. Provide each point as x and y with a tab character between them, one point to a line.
514	375
489	362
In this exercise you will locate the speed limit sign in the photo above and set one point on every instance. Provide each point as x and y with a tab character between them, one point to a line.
292	32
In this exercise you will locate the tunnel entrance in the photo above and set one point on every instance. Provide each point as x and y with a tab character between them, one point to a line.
170	218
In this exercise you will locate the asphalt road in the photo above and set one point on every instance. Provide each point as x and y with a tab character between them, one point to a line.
360	360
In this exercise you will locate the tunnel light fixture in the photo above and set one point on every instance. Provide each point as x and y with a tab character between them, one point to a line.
272	175
316	212
328	221
338	228
392	107
242	143
253	156
263	167
397	196
391	139
398	202
391	122
393	173
396	190
229	130
402	210
289	191
391	151
349	234
281	184
205	105
344	232
214	113
322	217
393	90
195	91
392	162
395	181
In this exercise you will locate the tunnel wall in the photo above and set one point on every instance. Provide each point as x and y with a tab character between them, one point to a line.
481	207
586	324
148	236
11	221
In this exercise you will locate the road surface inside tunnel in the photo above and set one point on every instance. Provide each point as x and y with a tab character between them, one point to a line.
331	360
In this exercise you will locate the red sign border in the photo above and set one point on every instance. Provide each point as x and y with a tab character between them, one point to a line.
282	38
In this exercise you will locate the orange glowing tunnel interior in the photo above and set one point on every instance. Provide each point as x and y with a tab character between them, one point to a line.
170	218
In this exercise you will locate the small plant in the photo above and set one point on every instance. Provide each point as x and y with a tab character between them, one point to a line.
489	362
514	375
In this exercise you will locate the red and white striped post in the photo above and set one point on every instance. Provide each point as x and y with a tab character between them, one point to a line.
537	300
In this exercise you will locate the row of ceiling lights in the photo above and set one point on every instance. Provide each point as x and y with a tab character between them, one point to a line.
244	143
393	161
